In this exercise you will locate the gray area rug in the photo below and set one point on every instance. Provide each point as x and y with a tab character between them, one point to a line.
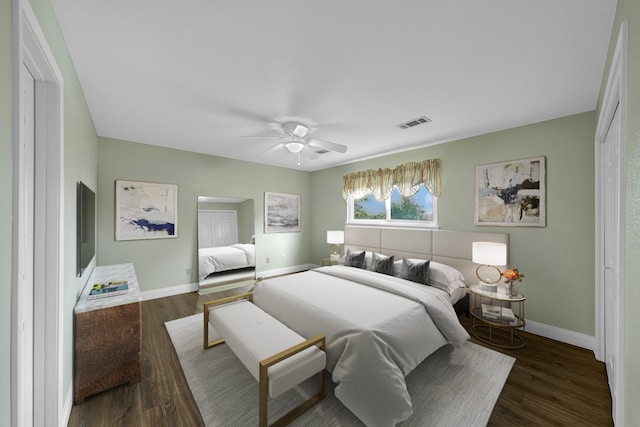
452	387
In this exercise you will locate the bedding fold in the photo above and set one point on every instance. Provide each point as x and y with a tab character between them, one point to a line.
223	258
376	334
433	300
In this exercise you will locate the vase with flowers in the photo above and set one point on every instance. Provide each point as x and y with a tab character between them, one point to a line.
510	276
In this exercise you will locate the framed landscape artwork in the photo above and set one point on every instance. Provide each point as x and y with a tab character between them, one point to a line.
281	213
511	193
146	210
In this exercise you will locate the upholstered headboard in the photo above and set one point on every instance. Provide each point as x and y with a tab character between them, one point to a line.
445	246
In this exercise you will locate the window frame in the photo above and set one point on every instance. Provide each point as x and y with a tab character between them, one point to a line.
392	222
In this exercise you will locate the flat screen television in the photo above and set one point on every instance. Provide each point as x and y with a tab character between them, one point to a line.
86	227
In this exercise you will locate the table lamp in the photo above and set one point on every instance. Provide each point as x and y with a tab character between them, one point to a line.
489	254
335	238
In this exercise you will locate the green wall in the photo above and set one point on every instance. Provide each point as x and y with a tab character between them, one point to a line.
6	165
163	263
630	10
557	259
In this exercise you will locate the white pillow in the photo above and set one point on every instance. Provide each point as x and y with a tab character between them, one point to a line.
445	277
441	276
368	260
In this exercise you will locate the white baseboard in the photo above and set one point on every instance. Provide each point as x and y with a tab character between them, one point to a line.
537	328
66	406
285	270
193	287
562	335
170	291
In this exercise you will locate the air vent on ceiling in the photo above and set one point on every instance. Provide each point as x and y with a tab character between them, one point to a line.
414	122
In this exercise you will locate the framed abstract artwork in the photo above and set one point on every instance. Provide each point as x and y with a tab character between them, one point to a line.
146	210
511	193
281	213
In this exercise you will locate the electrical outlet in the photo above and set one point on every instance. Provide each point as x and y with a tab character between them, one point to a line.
188	272
268	260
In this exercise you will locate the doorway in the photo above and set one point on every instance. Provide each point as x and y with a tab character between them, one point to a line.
610	226
36	335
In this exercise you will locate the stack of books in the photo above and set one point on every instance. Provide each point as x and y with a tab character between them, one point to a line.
495	312
109	289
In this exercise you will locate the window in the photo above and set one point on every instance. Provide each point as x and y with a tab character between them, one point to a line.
417	209
369	208
386	196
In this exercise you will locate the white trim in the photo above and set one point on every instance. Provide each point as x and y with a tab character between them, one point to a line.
169	291
615	97
537	328
285	270
67	405
194	287
388	222
562	335
547	331
43	405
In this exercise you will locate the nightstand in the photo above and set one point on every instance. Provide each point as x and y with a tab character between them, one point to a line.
497	328
107	335
328	261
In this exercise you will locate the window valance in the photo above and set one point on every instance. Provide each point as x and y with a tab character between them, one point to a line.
380	182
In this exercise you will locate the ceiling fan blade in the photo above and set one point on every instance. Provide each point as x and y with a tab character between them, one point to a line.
300	131
274	149
309	153
331	146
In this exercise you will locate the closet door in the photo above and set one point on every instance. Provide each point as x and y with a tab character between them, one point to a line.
205	234
217	228
224	225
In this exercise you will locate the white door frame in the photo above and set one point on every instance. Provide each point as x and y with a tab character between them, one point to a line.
615	97
36	389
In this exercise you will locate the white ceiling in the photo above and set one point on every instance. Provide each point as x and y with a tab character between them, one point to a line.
201	75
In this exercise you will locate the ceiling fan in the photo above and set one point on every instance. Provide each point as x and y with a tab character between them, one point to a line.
296	140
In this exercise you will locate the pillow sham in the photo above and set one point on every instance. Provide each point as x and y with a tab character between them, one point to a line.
445	277
354	259
415	271
382	264
368	260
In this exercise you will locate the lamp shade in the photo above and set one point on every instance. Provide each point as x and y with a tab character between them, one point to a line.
335	237
489	253
294	146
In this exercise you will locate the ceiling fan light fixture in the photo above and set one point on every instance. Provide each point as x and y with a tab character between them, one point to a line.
294	146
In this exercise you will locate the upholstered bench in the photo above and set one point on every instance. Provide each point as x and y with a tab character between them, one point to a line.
276	356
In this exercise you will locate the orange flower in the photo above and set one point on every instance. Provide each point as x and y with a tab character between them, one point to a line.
512	275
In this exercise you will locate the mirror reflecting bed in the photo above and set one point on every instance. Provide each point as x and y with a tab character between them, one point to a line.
226	240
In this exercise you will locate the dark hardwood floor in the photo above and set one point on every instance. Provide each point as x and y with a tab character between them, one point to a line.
551	383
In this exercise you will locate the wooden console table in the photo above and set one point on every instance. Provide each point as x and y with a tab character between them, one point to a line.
107	335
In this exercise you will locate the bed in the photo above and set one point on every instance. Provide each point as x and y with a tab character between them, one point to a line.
378	327
225	258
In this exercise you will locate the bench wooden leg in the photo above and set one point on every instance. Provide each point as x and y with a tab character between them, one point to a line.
209	304
318	341
263	398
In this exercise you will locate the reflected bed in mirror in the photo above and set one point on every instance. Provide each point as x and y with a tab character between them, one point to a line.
226	241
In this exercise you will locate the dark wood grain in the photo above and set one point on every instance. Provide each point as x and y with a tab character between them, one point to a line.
551	383
107	349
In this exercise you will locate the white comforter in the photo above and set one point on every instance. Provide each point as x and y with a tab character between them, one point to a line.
378	329
214	260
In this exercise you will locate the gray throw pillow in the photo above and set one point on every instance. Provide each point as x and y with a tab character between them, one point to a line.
382	264
415	271
354	259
